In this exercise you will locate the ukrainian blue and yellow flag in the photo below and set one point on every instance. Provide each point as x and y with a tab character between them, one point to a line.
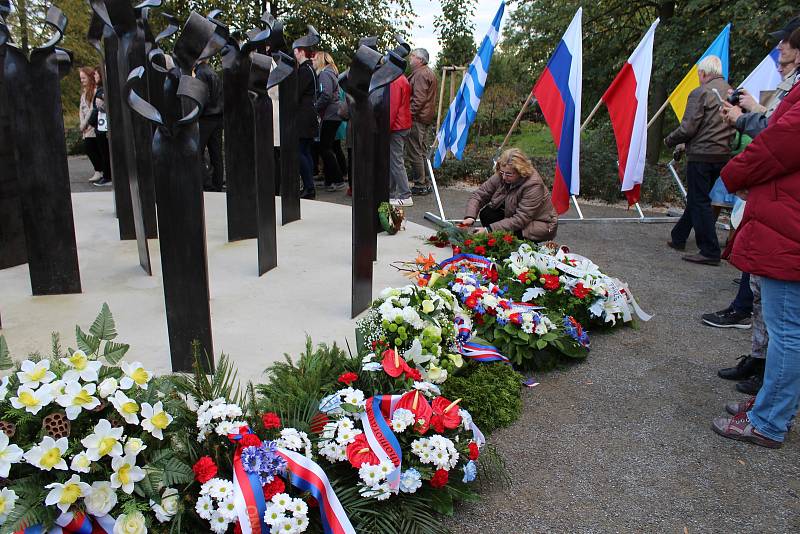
691	81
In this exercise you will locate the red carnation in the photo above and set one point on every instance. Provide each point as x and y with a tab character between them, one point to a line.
474	451
204	470
348	378
471	301
480	250
467	242
439	479
523	277
250	440
580	291
271	420
273	488
492	242
508	238
550	281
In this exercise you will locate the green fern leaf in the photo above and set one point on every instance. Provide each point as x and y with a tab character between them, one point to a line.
86	342
114	352
103	327
5	356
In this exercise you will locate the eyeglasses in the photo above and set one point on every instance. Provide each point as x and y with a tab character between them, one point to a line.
505	174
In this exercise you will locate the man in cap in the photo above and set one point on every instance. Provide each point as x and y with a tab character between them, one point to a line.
423	113
306	118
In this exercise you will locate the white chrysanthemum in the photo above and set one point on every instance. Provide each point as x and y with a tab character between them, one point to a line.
48	454
126	473
101	499
155	419
204	507
273	513
227	509
31	400
81	367
347	436
9	454
32	374
281	499
218	489
8	499
370	474
66	494
294	440
135	373
298	507
126	407
81	463
218	523
402	419
352	396
104	440
77	397
300	523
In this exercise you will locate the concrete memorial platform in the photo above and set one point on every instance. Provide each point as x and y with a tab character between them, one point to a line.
255	319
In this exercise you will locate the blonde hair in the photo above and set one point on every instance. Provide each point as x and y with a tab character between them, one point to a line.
323	59
711	65
517	159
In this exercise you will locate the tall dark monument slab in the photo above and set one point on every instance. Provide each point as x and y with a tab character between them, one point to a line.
181	213
12	232
265	163
284	75
34	97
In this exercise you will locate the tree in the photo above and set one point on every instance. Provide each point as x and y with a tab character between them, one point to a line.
455	28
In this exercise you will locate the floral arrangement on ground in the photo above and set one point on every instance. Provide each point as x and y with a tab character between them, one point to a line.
330	442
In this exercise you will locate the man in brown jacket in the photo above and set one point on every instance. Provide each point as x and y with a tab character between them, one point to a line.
707	140
423	113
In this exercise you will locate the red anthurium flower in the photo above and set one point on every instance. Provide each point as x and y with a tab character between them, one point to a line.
445	414
440	478
359	453
415	402
393	364
550	281
348	378
580	291
480	250
474	451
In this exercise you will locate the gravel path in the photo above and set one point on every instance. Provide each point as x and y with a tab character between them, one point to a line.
622	442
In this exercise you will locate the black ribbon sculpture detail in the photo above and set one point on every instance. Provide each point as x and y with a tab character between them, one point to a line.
261	65
364	77
129	135
12	231
181	217
34	97
240	126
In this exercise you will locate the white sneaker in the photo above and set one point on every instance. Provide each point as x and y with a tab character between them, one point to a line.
401	202
96	176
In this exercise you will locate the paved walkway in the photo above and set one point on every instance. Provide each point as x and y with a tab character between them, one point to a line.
622	443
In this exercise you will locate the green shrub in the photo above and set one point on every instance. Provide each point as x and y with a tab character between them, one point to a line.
491	392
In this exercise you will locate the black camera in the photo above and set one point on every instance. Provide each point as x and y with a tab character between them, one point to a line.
734	97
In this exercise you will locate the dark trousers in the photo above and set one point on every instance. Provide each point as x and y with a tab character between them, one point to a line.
306	164
490	215
743	303
211	138
333	172
350	167
698	215
91	145
105	158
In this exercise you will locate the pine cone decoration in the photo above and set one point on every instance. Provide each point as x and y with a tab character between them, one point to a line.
56	425
8	428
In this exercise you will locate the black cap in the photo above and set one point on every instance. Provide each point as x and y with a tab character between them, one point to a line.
787	30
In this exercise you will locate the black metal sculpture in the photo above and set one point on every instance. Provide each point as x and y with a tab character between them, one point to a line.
12	231
34	97
284	76
363	78
240	126
261	65
181	216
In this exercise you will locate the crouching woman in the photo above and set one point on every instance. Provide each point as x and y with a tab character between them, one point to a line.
515	199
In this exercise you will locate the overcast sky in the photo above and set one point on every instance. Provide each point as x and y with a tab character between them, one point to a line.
423	36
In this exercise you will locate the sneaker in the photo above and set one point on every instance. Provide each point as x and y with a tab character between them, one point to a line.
729	318
735	408
96	177
747	367
319	178
740	428
752	385
102	182
421	190
401	202
336	187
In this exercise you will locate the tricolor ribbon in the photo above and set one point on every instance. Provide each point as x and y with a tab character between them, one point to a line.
467	258
482	353
248	495
77	523
378	431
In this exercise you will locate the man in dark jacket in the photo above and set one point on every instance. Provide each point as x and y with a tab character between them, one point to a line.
211	126
423	114
707	140
306	118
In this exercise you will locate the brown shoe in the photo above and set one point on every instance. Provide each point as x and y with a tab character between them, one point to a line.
676	246
740	428
699	258
735	408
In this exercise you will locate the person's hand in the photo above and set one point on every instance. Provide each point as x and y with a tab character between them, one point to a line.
480	230
730	113
468	221
742	194
748	103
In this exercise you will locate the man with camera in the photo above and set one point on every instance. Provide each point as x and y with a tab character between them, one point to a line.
707	139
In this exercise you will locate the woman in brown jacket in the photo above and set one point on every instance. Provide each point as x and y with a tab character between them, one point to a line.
515	199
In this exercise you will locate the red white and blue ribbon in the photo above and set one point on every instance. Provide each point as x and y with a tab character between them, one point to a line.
308	476
482	353
377	428
70	523
467	258
248	498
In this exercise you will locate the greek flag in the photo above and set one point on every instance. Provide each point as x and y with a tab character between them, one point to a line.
453	133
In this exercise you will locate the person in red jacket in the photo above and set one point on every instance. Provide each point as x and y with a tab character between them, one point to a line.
767	244
399	125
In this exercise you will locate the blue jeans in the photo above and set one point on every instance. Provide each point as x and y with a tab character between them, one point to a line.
779	398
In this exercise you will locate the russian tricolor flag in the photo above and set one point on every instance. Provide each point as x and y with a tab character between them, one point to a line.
765	77
558	92
626	99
